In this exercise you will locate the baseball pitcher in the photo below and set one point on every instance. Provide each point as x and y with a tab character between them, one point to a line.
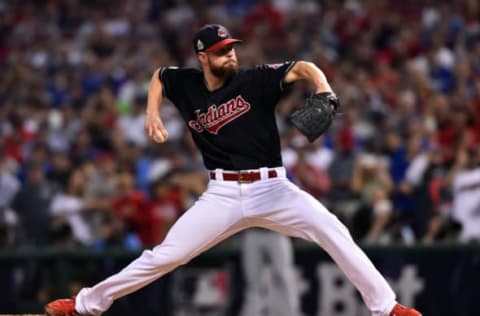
230	113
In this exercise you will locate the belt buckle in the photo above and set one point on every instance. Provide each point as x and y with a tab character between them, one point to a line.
241	177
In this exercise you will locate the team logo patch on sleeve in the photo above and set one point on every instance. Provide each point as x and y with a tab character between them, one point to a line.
274	66
218	116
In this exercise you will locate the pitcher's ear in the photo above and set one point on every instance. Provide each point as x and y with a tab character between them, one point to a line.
202	57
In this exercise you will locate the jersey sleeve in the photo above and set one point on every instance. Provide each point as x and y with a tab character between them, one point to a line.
271	77
168	76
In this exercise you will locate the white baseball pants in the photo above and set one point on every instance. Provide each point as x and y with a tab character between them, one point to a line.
227	207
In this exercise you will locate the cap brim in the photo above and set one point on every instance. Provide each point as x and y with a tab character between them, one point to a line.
222	44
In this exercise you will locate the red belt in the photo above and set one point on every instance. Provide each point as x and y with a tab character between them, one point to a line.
244	176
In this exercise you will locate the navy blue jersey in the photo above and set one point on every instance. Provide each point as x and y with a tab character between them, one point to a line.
234	126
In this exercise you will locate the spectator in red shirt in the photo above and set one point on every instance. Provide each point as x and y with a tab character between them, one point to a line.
131	207
164	209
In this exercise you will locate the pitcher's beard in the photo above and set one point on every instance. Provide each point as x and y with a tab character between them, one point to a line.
224	72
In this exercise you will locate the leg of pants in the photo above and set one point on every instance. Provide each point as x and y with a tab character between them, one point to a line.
253	266
216	216
279	205
259	244
280	251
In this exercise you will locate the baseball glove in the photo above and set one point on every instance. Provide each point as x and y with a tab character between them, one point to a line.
317	115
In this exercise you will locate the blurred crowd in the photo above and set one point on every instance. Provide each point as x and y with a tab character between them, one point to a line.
401	164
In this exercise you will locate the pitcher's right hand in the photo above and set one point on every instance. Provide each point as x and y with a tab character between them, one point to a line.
155	128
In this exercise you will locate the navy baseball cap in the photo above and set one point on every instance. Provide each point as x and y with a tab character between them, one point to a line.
212	37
